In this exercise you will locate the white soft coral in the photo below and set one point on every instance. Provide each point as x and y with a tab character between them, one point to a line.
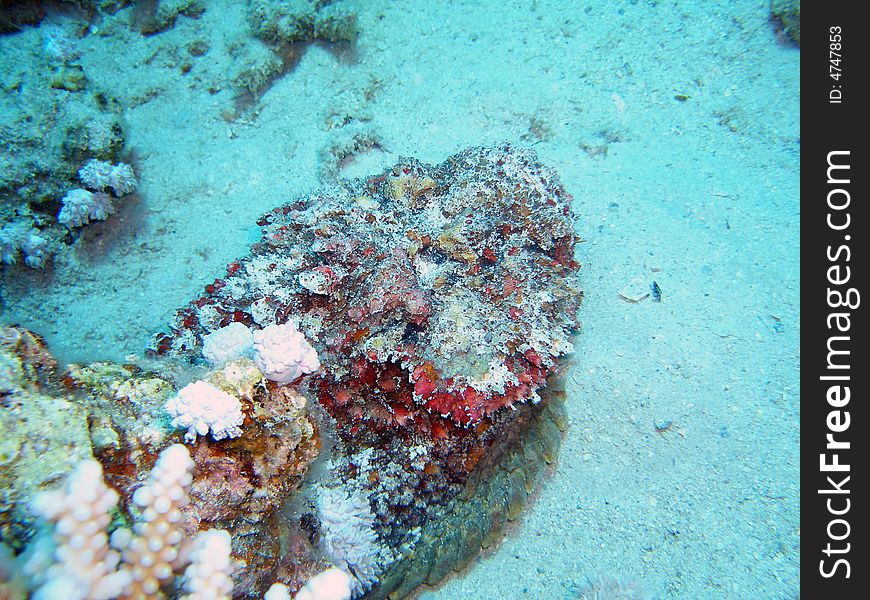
21	238
99	175
202	407
227	343
348	537
81	206
283	354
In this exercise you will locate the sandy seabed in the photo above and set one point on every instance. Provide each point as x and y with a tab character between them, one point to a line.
675	125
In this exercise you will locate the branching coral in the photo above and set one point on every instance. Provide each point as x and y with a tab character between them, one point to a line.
117	415
208	576
88	564
151	549
85	566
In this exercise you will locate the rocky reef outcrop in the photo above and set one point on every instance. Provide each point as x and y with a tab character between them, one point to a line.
441	301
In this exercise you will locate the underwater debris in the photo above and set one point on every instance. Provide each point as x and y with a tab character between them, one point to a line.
656	291
636	290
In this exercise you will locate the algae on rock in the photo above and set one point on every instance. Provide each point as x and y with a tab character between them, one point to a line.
786	15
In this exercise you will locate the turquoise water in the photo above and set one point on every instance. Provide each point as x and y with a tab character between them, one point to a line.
674	125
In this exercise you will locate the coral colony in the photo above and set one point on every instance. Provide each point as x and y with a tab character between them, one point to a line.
21	239
406	329
81	206
435	296
104	182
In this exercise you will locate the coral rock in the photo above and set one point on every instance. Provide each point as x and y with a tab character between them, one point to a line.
447	321
456	292
43	435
